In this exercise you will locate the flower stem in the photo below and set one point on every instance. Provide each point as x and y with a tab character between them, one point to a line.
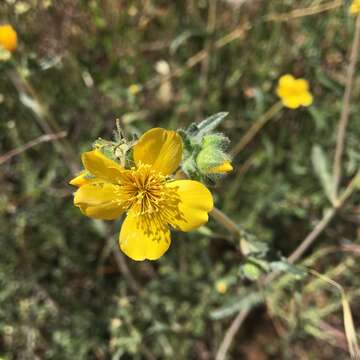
345	111
226	222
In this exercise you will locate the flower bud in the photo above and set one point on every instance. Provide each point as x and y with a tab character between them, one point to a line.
212	159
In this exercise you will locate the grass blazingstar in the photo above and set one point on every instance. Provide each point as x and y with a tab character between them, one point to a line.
294	92
8	38
153	201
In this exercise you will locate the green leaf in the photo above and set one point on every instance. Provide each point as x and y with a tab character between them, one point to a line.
246	302
321	168
180	40
253	247
209	124
284	266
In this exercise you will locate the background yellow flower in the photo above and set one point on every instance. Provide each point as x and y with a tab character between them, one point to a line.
355	7
221	286
8	37
294	92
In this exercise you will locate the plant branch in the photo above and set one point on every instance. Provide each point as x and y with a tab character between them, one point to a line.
345	111
29	97
41	139
125	271
255	128
311	10
233	329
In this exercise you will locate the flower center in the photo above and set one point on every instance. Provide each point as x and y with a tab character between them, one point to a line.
143	190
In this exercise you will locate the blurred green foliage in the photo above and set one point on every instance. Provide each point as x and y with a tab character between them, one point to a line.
64	292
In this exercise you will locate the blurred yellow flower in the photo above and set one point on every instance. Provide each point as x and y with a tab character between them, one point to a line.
8	37
134	89
355	7
294	92
221	286
153	201
225	167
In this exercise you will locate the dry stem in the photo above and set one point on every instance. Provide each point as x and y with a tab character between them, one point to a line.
255	128
43	138
344	118
311	10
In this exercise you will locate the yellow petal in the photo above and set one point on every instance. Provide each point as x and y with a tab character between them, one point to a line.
191	202
221	169
109	211
282	91
80	180
286	80
101	166
99	200
144	237
291	102
160	148
306	99
301	85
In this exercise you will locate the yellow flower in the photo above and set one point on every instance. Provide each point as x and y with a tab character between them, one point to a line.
134	89
294	92
152	200
355	7
223	168
8	37
221	286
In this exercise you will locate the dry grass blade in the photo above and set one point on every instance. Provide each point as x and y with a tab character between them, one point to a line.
350	331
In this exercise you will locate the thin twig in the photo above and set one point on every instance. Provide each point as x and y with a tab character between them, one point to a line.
230	333
311	10
205	66
237	33
308	241
255	128
130	280
41	139
345	111
43	117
